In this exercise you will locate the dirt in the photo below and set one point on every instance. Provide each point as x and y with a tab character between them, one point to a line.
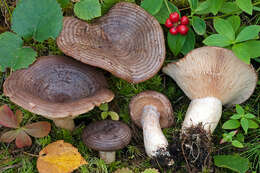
196	147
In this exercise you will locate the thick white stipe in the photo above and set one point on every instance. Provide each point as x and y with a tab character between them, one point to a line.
154	140
206	110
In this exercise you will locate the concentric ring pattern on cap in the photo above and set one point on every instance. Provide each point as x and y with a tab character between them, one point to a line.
127	41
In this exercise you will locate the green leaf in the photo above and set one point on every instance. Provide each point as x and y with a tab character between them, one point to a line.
38	19
104	115
87	9
235	22
152	6
249	116
241	51
236	116
198	25
237	144
189	43
107	4
215	5
231	124
248	33
230	7
244	124
203	8
217	40
240	109
253	47
12	54
256	8
64	3
175	42
233	162
224	28
193	4
240	137
245	5
252	124
103	107
113	115
163	14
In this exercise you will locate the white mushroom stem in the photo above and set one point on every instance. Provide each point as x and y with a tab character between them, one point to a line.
155	142
66	123
206	111
107	156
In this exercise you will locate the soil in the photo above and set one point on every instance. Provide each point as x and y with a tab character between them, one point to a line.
196	147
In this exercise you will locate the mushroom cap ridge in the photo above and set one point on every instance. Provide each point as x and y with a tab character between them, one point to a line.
107	135
155	99
57	87
214	72
127	41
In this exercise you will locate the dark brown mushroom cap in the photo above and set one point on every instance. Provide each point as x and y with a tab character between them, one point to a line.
107	135
214	72
57	87
128	42
155	99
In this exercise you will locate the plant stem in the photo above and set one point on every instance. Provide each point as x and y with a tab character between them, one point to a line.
166	3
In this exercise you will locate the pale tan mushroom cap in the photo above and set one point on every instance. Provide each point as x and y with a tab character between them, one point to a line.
151	98
127	41
57	87
214	71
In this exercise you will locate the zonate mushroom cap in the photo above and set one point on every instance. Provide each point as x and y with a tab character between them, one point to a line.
57	87
107	135
214	72
127	41
152	98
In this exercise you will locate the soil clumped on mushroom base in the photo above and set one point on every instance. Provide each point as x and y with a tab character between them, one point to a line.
196	147
163	160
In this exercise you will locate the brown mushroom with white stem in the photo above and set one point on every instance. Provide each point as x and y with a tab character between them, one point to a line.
107	136
127	41
152	111
210	77
58	88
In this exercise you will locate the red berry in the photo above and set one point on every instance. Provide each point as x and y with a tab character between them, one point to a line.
173	31
182	29
184	20
168	23
174	17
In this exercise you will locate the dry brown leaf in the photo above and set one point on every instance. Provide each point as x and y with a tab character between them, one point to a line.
59	157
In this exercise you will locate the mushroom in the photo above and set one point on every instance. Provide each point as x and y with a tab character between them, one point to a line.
127	41
58	88
107	136
210	77
152	111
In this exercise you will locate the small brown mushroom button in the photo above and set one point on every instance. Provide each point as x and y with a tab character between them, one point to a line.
107	136
152	111
127	41
58	88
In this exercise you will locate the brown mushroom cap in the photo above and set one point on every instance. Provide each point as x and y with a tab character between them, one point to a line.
57	87
214	71
155	99
106	135
128	42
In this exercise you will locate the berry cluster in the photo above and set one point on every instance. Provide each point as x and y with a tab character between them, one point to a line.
176	25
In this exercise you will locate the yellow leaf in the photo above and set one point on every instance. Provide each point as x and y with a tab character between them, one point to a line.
59	157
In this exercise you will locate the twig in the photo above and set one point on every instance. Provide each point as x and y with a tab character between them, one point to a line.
33	155
11	166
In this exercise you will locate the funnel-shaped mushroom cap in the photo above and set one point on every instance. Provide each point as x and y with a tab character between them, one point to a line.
214	72
107	135
57	87
128	42
151	98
